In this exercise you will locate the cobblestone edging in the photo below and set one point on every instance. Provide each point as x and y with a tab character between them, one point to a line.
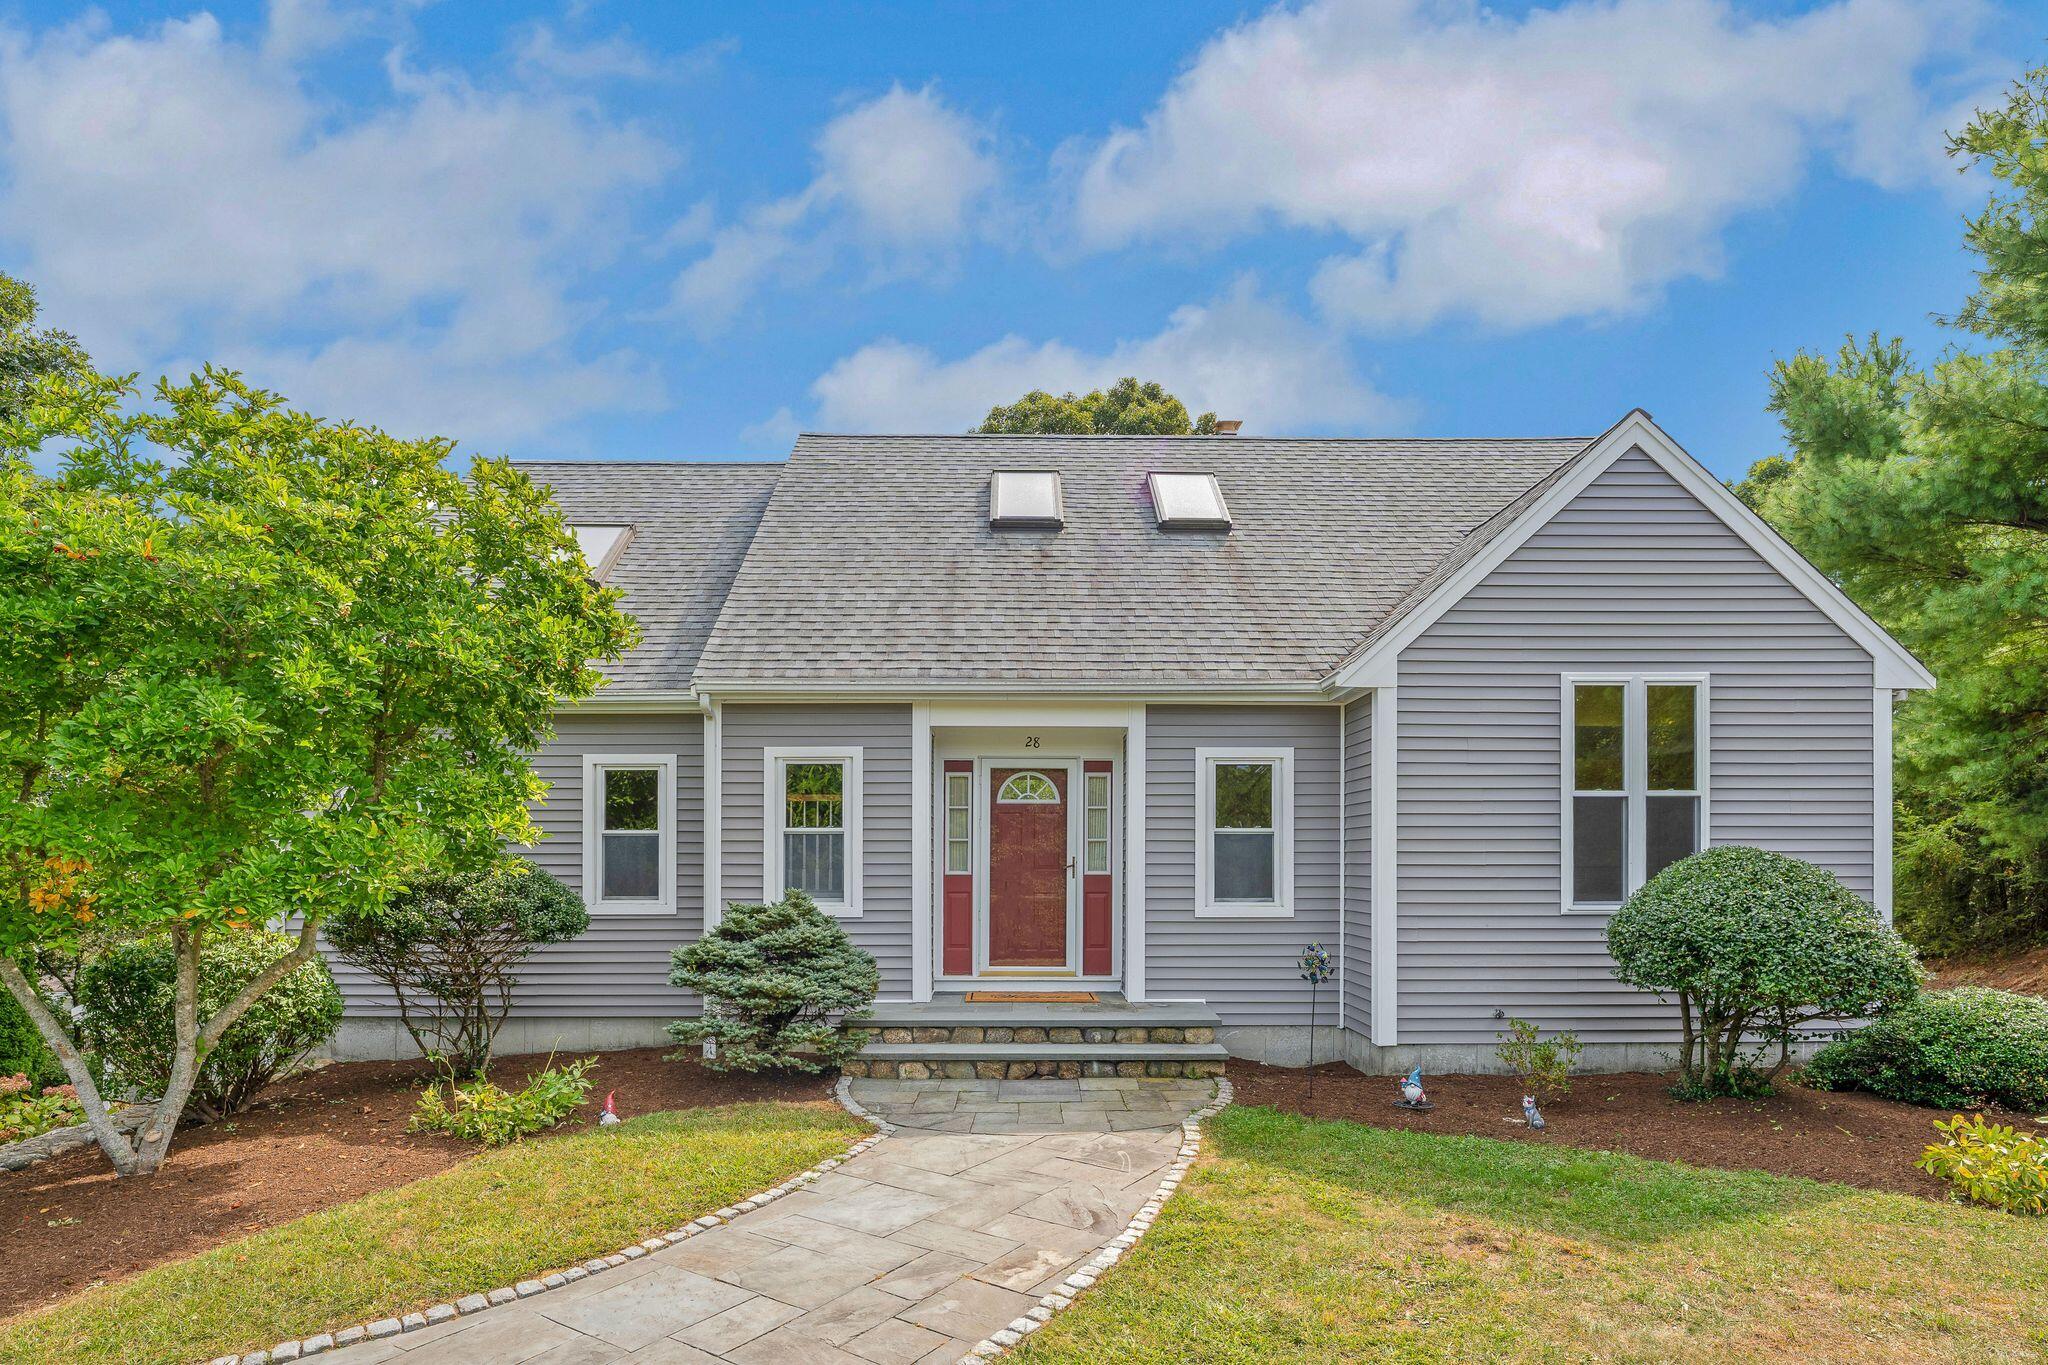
322	1342
1001	1342
17	1156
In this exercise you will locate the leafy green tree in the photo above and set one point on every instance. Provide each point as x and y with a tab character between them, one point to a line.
1126	408
254	668
1921	489
26	354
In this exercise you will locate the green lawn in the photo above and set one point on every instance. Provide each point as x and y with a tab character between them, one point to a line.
1297	1240
501	1217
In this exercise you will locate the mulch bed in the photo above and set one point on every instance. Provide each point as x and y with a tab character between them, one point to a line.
312	1142
2024	970
1853	1139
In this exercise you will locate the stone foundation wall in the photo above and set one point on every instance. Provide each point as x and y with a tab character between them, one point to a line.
891	1070
977	1033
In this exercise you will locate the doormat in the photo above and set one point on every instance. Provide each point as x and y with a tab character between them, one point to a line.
1032	998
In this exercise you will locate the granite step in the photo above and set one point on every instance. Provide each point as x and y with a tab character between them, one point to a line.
1019	1061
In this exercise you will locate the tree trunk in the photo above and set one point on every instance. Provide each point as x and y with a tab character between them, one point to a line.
110	1138
153	1143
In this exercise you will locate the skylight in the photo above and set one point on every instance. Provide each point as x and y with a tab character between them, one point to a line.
600	546
1189	501
1026	497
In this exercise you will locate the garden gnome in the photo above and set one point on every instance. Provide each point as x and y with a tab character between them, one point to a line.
1411	1092
1531	1112
610	1115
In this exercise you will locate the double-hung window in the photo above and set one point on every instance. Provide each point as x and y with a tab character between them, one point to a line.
812	820
629	834
1635	778
1244	862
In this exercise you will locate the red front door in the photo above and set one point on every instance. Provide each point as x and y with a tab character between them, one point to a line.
1027	868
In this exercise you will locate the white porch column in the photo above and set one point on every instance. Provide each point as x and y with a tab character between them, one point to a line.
923	907
1134	853
1386	776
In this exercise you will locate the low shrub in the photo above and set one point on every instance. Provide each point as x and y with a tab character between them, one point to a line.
778	982
480	1110
22	1051
1544	1064
126	994
28	1110
1991	1163
1953	1049
449	947
1753	946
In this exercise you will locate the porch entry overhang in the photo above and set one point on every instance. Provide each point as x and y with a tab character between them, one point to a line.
1027	824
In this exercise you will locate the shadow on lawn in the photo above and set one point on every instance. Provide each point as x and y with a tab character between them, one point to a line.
1565	1191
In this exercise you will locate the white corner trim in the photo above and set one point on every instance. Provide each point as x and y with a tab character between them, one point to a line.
593	833
1281	758
1134	852
853	795
1881	801
1895	666
714	817
924	817
1343	852
1386	825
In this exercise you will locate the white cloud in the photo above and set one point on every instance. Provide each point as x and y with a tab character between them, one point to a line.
1569	162
907	166
543	52
178	191
899	180
1238	356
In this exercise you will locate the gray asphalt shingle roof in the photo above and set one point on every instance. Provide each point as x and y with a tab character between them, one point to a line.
691	524
874	561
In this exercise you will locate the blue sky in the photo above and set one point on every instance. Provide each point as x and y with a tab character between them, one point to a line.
610	230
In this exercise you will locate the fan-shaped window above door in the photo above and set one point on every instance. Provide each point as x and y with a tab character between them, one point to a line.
1028	788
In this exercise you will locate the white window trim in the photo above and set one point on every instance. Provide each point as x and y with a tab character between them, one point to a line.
1635	774
1282	906
774	809
593	833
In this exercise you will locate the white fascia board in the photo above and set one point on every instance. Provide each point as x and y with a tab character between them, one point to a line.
1001	690
1893	665
620	702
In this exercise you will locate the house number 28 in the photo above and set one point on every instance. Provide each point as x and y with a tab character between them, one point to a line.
1031	741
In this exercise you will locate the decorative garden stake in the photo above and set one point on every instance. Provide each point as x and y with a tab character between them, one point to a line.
1315	969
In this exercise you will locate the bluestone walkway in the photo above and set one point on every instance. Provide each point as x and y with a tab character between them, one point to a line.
911	1252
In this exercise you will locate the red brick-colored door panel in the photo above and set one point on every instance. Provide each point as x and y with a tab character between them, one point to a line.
956	937
1027	875
1096	893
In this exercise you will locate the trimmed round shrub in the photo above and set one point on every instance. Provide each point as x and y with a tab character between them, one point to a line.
127	995
778	980
449	946
22	1051
1953	1049
1753	945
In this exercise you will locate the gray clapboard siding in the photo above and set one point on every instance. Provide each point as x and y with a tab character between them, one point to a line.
882	733
1248	970
1357	963
1633	575
619	968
